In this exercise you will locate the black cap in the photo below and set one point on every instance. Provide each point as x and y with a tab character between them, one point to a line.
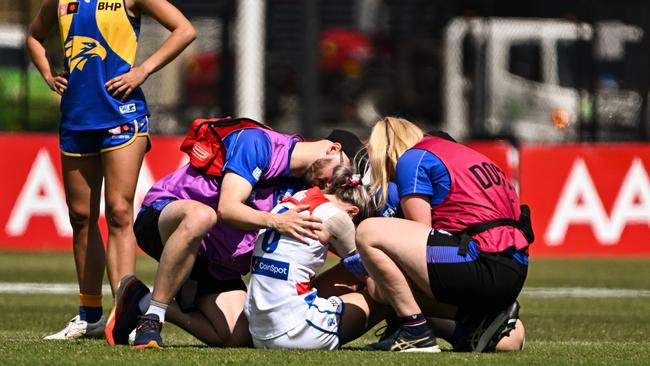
349	141
441	134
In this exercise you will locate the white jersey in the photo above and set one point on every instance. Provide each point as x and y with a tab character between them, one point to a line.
279	292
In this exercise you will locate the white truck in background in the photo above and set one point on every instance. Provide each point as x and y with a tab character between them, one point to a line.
528	68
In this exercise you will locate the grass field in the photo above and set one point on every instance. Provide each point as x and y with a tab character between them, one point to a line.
575	312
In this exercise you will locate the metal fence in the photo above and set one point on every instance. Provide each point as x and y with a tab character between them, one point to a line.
548	71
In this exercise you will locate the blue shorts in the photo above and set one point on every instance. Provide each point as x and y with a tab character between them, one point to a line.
93	142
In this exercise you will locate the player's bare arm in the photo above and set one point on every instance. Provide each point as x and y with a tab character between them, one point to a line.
232	211
182	34
38	31
341	234
417	208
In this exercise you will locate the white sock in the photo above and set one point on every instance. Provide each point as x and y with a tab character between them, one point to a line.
157	308
144	303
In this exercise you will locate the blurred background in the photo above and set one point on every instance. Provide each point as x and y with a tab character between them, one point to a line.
546	71
554	92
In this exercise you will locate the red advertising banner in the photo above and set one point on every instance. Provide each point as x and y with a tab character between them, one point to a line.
33	211
585	199
588	199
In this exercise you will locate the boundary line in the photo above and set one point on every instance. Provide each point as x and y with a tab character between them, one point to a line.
528	292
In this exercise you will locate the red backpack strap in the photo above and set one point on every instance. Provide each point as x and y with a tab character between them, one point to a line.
224	126
204	141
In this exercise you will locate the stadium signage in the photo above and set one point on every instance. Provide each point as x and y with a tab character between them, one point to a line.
580	203
588	199
33	211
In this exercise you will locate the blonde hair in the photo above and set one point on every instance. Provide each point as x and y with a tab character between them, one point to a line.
348	188
389	139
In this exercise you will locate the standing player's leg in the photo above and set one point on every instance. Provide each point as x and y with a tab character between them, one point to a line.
123	149
121	170
82	181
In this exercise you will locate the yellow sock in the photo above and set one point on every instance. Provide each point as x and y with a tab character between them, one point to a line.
90	308
92	301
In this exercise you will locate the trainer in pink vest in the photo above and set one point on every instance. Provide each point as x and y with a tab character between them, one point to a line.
479	192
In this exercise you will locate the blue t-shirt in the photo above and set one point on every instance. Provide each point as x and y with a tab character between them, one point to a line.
421	172
248	154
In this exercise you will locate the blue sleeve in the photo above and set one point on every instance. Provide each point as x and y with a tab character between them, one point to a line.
354	264
248	154
421	172
392	207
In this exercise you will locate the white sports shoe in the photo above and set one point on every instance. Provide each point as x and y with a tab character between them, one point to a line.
132	336
78	328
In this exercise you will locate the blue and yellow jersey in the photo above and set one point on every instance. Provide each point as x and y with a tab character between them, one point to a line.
99	40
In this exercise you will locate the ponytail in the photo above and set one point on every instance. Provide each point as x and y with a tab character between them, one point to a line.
347	187
389	139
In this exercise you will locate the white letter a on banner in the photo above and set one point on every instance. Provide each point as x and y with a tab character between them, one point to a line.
42	195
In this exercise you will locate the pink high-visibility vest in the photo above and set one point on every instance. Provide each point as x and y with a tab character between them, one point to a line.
479	192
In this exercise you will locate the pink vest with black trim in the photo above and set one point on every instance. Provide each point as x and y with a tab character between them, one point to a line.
479	192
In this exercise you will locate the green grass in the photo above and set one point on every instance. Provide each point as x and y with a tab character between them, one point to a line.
576	331
43	103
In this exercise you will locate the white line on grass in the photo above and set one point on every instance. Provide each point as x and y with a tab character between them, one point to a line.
529	292
43	288
559	292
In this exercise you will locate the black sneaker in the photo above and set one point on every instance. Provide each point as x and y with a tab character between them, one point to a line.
124	316
147	334
402	340
388	329
484	331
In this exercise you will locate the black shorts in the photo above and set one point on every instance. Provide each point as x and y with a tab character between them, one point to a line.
477	281
201	282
